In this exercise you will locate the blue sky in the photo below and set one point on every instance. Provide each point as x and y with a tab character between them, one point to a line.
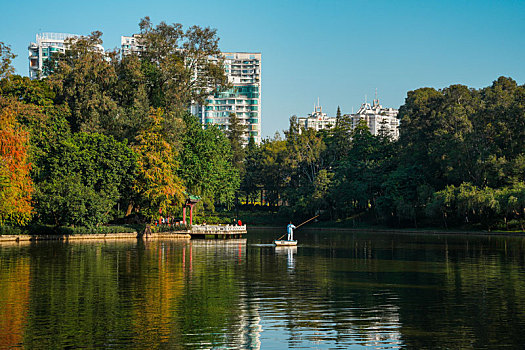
338	51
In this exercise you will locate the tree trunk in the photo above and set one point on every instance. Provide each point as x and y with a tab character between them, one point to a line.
147	230
130	208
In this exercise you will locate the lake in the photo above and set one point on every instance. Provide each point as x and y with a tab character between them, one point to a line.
336	290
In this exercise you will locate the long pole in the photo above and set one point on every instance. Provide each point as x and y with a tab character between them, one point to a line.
307	221
298	226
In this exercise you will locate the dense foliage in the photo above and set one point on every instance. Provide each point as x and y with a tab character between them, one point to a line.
459	161
107	136
15	183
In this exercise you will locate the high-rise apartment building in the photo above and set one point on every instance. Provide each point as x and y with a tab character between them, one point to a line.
317	120
377	117
243	70
244	99
131	44
42	50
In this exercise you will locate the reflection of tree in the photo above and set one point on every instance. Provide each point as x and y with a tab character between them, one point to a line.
157	286
213	311
374	290
421	291
77	296
14	296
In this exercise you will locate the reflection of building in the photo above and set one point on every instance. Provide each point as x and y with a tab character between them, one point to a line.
317	120
249	328
384	330
244	99
42	50
377	117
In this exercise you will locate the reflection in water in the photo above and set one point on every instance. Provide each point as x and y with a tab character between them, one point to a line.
14	296
334	291
289	252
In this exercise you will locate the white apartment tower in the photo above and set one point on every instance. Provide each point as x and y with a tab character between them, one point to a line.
42	50
243	70
317	120
131	44
244	99
376	117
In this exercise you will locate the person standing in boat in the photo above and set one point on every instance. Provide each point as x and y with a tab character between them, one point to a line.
289	229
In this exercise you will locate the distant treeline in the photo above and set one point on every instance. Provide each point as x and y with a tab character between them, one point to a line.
459	162
105	138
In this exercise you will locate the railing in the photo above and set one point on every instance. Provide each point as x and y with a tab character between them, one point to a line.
55	36
218	229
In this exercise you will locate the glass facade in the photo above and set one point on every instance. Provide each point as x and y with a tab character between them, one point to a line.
244	99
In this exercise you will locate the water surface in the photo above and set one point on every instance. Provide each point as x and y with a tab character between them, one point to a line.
335	290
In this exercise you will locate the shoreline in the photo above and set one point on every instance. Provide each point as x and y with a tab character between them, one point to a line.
399	231
185	235
102	236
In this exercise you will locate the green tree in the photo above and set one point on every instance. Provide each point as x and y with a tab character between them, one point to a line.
303	161
6	59
251	181
236	133
23	89
206	164
83	179
272	173
85	78
181	67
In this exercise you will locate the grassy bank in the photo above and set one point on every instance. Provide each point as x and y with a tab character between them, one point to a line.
52	230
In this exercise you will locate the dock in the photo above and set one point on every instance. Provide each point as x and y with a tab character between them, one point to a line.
218	231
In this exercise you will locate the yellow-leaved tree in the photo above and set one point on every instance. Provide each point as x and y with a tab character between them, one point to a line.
157	186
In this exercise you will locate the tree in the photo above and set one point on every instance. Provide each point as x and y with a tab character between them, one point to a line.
23	89
6	59
157	186
16	186
251	181
303	161
206	164
131	96
32	102
83	179
181	67
85	77
339	143
272	173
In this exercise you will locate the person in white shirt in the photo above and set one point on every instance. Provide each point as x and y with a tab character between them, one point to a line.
289	229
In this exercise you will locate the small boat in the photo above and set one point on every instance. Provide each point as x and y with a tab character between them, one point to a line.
283	243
